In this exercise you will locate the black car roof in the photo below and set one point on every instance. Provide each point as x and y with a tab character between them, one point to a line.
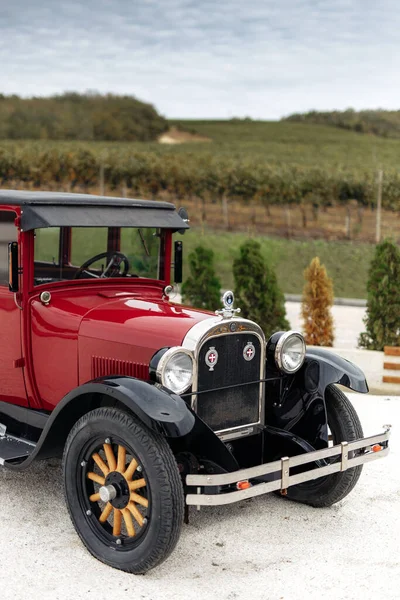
22	197
60	209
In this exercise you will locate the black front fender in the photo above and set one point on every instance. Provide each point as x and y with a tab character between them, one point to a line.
156	407
330	368
297	403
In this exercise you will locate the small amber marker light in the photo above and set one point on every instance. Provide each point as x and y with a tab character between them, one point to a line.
243	485
376	448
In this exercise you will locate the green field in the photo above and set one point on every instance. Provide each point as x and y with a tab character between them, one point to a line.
281	142
347	263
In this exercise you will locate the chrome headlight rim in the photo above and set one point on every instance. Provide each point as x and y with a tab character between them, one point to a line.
164	360
280	347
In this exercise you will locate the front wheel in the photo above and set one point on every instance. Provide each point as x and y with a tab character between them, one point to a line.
344	426
123	490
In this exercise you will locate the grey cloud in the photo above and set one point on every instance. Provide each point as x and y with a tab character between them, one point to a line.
201	58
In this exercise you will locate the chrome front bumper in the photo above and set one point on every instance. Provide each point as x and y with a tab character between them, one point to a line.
210	494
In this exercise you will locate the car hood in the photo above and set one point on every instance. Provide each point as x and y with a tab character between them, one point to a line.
148	324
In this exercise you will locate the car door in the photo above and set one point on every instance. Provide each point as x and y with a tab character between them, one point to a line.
12	385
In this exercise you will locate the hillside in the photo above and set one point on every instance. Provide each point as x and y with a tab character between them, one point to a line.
281	178
293	143
385	123
73	116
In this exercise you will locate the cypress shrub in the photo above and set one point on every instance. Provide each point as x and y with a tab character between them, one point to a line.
382	320
257	291
316	305
202	289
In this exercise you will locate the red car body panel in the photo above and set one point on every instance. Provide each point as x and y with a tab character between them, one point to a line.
48	350
95	329
13	385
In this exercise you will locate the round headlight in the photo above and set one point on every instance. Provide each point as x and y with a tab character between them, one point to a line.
290	351
175	370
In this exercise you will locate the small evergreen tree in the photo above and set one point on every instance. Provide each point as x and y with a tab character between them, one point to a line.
382	320
316	305
257	291
202	289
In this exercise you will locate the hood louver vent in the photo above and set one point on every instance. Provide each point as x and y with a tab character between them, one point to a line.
102	367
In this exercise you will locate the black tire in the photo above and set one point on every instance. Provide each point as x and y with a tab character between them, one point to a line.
157	531
345	425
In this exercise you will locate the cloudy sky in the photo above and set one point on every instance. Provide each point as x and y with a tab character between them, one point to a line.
207	58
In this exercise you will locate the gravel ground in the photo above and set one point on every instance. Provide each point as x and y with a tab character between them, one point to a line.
267	548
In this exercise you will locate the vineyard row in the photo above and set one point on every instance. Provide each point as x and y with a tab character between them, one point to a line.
152	174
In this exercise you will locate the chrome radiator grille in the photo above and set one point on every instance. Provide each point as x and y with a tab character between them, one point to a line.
227	365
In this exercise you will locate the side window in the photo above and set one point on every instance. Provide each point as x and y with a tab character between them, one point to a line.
47	268
8	233
47	244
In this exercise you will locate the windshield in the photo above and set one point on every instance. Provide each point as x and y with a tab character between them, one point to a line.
95	252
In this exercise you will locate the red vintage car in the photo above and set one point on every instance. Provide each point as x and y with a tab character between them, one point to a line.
154	406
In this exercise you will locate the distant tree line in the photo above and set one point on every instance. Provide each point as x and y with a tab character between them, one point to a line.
385	123
73	116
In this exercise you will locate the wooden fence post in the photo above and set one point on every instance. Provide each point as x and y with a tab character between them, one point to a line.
101	179
253	214
225	211
288	220
379	207
348	222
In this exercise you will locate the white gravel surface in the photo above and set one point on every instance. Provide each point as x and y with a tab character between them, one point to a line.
348	323
267	548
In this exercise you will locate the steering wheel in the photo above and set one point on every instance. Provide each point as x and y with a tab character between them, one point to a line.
114	261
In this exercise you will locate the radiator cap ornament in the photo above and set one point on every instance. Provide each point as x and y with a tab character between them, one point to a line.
228	299
228	311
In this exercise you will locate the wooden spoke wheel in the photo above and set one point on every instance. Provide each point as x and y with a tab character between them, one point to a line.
123	490
118	488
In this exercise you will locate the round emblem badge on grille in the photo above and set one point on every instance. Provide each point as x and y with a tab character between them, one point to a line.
211	358
249	351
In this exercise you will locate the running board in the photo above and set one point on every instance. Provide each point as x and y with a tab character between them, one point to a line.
13	449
